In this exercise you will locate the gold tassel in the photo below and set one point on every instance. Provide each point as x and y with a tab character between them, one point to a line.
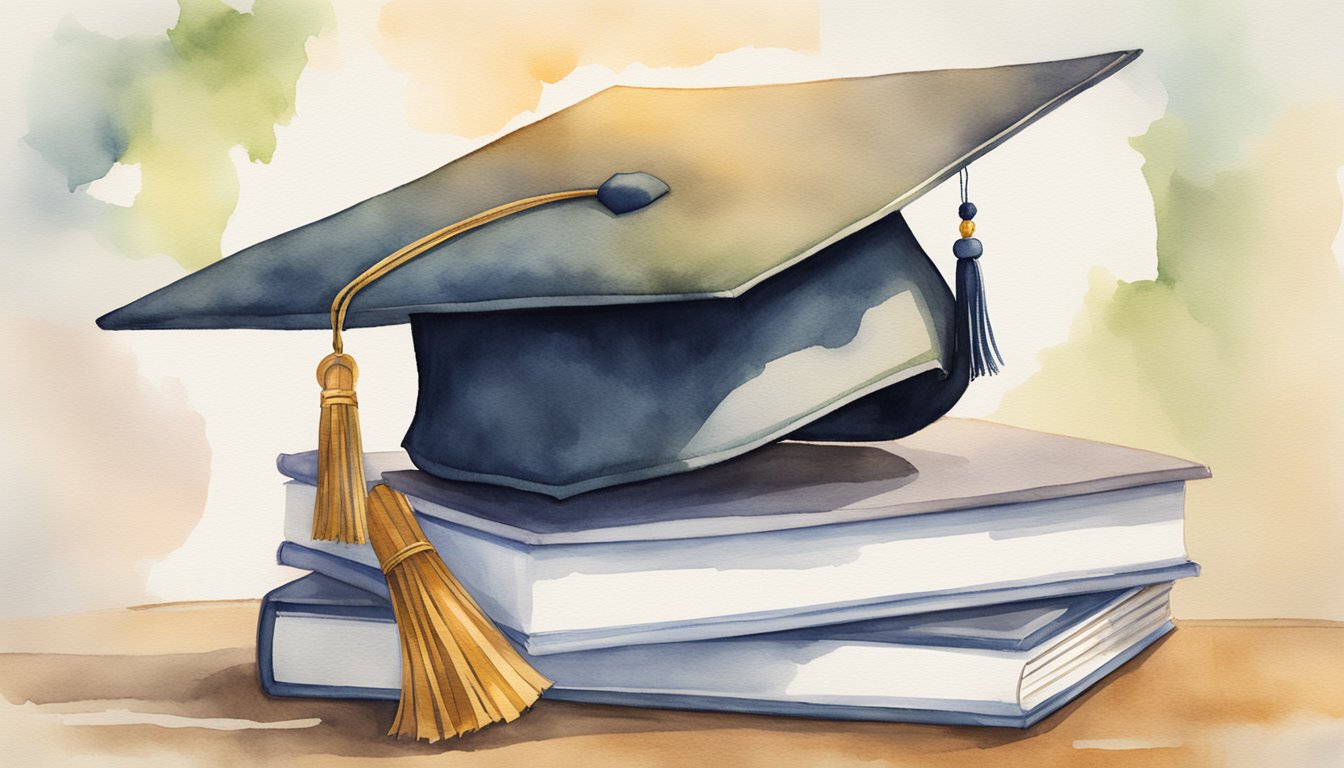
339	513
458	672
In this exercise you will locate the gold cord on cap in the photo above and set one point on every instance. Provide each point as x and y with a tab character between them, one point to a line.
341	304
339	512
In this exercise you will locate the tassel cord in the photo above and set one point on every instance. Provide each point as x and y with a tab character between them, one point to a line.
341	303
339	512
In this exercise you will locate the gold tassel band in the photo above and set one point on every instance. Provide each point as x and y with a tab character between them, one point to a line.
339	397
414	547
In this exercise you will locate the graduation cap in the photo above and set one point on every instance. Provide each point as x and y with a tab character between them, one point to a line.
651	280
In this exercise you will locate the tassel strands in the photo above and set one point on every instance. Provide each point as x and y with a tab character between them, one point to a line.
984	352
458	672
339	513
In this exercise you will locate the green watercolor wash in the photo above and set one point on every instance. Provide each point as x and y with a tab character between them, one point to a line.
1230	351
1229	346
177	105
1230	355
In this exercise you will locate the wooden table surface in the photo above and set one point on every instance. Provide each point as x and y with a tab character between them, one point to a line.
176	685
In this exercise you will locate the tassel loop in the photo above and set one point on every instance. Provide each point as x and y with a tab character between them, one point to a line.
339	512
458	672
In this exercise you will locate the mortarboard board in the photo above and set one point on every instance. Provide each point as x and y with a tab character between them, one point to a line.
775	289
649	281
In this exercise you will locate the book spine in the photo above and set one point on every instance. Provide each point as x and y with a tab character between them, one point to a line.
265	634
358	575
266	666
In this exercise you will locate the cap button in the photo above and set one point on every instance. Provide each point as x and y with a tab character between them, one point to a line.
627	192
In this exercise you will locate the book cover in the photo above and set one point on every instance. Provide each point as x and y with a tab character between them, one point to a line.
961	514
1009	664
370	579
954	464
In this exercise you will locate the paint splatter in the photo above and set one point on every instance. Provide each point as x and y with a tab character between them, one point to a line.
177	105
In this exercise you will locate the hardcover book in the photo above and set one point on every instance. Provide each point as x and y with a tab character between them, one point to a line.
1005	665
795	534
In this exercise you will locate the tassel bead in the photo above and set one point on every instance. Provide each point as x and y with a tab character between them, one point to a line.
967	211
967	228
967	248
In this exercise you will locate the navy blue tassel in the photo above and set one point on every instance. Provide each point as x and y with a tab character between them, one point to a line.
984	351
985	357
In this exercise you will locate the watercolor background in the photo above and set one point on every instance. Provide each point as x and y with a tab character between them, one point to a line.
1164	252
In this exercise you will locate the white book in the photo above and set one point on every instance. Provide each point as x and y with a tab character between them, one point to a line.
795	534
996	665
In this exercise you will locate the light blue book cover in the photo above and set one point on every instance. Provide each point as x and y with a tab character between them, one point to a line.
370	579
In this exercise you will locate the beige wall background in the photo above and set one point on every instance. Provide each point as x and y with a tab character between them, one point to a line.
1163	253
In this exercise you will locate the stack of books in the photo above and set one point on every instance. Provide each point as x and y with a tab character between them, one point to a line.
970	573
